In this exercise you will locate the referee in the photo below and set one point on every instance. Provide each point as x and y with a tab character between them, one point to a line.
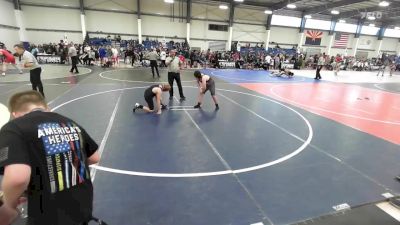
33	65
174	66
153	56
74	58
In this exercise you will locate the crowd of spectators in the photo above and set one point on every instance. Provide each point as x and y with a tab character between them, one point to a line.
107	52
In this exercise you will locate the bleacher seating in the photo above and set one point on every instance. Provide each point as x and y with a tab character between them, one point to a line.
271	51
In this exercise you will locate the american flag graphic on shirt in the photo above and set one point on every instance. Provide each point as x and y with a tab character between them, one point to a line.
64	155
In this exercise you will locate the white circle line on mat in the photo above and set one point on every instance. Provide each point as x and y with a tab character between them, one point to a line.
204	174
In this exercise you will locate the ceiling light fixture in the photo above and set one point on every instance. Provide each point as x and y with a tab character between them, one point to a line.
223	7
372	25
308	16
239	0
169	1
384	3
291	6
335	12
371	18
342	21
269	12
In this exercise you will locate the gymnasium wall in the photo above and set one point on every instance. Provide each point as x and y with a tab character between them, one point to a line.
249	33
8	34
9	37
390	44
285	35
199	30
45	37
7	16
162	26
109	22
50	18
209	12
45	25
245	15
119	5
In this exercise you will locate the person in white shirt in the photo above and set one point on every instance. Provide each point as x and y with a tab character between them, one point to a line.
268	59
86	49
115	59
29	61
163	57
321	64
92	56
74	58
153	56
174	67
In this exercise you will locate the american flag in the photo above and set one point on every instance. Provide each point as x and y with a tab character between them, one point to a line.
50	146
341	40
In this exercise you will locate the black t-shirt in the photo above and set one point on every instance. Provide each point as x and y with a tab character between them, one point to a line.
60	191
148	93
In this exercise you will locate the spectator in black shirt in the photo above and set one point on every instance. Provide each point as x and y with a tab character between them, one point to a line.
46	156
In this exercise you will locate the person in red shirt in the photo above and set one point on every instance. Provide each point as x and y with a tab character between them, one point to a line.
338	63
182	59
8	60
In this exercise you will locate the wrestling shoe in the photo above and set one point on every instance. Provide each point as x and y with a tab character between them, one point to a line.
137	105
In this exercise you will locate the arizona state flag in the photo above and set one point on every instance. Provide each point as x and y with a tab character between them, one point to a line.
313	37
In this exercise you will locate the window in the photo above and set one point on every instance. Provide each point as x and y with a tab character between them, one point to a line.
217	27
369	30
346	27
392	33
318	24
287	21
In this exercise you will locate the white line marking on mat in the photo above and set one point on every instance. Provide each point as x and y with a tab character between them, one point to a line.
341	207
390	209
212	146
204	174
226	165
180	106
108	130
183	109
387	195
